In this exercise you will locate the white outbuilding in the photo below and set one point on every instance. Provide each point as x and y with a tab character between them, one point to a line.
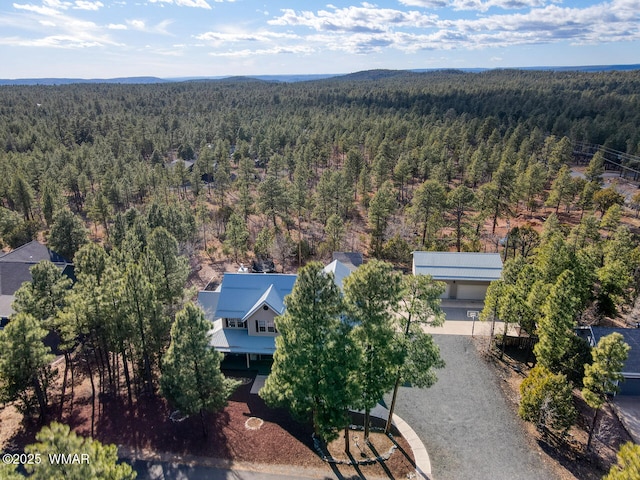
467	274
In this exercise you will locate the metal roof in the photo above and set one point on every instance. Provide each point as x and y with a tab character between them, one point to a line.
230	340
340	272
631	338
240	293
458	265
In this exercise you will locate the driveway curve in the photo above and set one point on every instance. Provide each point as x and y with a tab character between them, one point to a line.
469	430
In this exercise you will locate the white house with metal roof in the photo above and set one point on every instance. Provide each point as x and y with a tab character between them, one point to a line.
244	306
467	274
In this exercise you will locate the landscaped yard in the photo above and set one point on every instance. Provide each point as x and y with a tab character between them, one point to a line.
245	431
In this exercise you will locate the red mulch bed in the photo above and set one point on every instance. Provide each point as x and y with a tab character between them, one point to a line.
146	426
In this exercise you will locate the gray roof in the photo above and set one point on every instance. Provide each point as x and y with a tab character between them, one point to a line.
15	269
340	272
353	258
631	337
230	340
32	253
242	293
5	306
458	265
208	300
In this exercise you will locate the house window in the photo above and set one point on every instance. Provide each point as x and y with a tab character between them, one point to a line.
234	323
271	327
261	325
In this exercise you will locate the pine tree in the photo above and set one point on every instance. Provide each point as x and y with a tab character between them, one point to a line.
45	295
191	378
603	375
426	208
547	400
557	322
628	466
311	372
67	234
371	294
237	235
24	362
420	306
94	460
380	210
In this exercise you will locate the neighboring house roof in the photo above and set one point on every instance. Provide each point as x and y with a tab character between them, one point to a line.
349	258
458	265
242	293
631	337
340	271
15	270
237	341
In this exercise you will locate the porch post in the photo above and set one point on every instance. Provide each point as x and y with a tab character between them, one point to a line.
247	359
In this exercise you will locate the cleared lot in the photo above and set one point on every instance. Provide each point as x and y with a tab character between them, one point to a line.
464	421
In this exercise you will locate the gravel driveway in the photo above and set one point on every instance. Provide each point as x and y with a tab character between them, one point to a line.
465	423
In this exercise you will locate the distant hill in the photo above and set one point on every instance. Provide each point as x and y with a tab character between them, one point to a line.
69	81
367	75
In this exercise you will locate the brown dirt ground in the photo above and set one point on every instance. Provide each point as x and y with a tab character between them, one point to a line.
570	456
145	428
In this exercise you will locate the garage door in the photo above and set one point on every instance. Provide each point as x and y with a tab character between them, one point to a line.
446	291
471	292
631	386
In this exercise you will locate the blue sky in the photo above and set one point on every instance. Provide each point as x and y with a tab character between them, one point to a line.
178	38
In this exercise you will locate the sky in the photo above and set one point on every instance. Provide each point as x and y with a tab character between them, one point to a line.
186	38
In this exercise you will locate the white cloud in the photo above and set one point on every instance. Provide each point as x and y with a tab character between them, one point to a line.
116	26
296	50
478	5
185	3
141	25
87	5
368	29
367	18
218	38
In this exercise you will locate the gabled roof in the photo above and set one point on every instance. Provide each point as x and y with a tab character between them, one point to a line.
340	272
631	338
242	293
15	270
458	265
269	298
32	253
349	258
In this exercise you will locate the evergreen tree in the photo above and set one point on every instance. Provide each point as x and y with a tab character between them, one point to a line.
628	466
561	188
24	363
94	460
547	401
312	366
191	378
237	235
603	375
45	295
594	171
555	327
459	201
427	207
67	234
174	267
420	306
380	209
371	294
